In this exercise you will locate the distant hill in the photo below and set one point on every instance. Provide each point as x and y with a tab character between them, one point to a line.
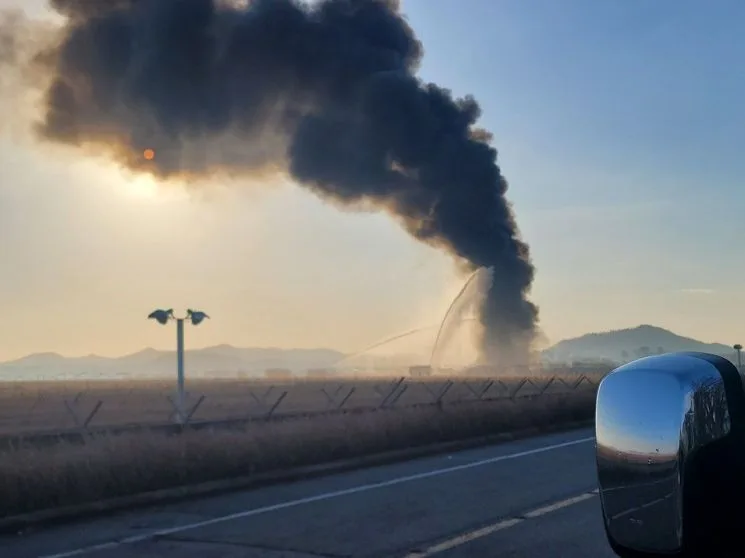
226	360
215	361
627	344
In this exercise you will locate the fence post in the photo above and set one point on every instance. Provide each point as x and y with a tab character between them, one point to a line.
276	404
392	391
82	425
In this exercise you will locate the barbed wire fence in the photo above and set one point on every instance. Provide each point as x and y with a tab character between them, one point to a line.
47	414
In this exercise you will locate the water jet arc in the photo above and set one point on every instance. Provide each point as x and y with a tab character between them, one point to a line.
391	339
460	294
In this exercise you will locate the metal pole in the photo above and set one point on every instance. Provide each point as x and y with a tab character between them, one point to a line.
180	366
739	359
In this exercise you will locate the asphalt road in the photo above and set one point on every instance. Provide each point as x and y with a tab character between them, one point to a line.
532	498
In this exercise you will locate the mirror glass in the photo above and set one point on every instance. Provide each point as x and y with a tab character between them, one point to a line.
651	415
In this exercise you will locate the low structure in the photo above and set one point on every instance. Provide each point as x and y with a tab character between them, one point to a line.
419	371
319	372
278	374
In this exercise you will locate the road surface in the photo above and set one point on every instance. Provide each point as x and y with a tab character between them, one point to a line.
531	498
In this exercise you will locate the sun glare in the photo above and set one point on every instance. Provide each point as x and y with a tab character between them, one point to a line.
142	187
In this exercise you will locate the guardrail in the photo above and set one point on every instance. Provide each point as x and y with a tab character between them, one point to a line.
83	415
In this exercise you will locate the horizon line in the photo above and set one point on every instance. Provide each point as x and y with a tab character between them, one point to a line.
313	348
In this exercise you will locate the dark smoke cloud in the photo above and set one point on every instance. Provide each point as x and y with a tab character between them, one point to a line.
326	92
10	23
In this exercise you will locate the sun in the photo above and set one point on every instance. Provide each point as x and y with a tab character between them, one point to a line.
149	154
142	187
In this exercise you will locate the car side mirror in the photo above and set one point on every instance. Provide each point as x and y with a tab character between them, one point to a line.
670	435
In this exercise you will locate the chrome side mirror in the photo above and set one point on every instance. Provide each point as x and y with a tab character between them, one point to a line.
670	435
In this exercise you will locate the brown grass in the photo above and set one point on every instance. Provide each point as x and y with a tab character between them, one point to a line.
41	406
34	479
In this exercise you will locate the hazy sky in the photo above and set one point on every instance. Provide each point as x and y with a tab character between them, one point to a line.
620	126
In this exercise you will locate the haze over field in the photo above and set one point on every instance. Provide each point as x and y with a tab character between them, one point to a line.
392	358
616	127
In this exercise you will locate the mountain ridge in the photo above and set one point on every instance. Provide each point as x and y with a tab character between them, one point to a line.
618	346
621	345
215	360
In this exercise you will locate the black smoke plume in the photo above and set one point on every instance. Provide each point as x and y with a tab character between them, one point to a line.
325	91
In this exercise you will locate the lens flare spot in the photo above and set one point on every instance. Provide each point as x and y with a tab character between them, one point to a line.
149	154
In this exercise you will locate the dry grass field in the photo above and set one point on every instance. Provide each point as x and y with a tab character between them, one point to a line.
29	407
394	413
64	474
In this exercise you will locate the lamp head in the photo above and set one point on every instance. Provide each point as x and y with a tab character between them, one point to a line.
161	316
196	316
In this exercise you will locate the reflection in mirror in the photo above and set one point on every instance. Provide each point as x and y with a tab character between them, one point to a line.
652	415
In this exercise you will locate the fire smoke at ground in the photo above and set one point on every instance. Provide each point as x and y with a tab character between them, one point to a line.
326	93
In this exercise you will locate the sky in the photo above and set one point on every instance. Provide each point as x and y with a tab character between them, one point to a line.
619	126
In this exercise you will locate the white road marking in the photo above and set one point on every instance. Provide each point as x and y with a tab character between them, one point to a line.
651	483
311	499
466	537
499	526
644	506
558	505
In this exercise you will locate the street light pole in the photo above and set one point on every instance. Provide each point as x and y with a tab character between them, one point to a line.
738	348
162	317
180	365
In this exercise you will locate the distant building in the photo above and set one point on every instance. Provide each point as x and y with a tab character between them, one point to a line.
319	372
419	371
482	370
278	374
